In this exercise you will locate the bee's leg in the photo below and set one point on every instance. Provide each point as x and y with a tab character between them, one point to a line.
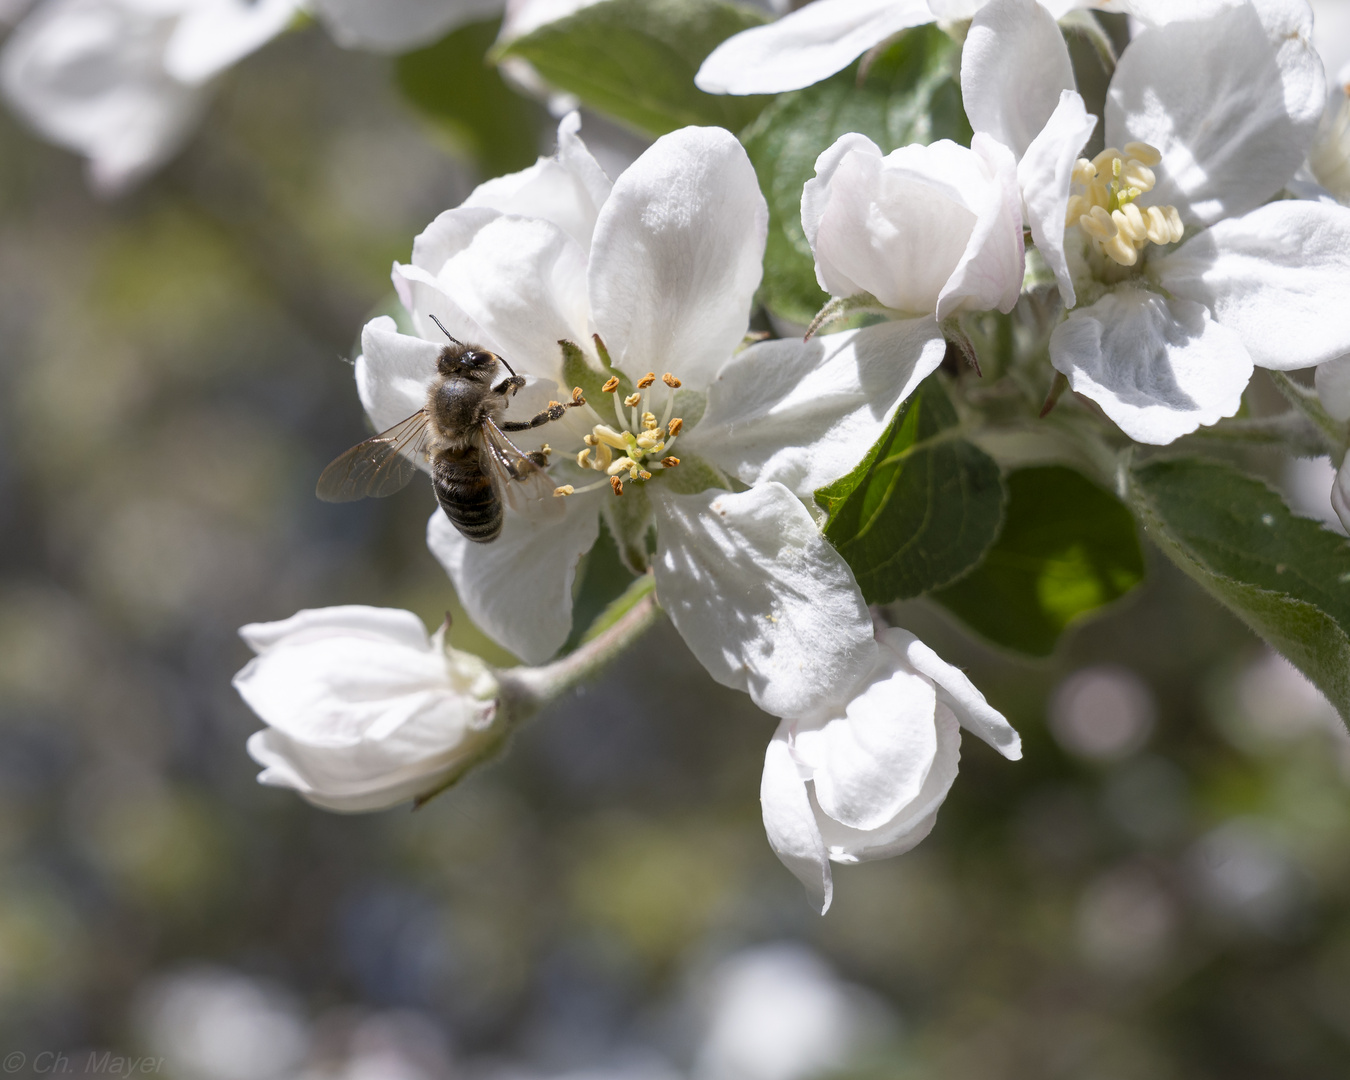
553	412
507	387
539	457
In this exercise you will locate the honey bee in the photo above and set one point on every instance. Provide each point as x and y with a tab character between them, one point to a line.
460	433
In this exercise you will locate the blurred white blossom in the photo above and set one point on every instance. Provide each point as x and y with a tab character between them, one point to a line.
663	269
125	82
778	1012
364	710
862	777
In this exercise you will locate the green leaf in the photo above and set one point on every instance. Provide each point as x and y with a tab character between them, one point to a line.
1286	577
910	94
452	83
1068	547
921	508
601	580
635	60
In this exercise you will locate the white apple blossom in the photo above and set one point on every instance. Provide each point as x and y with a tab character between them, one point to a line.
861	776
822	38
364	710
929	230
125	82
662	269
1216	114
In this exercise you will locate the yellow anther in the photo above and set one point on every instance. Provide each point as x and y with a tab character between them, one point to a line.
646	380
649	420
577	396
546	449
619	465
1159	228
1084	172
1136	174
611	384
632	399
675	427
566	489
603	456
1078	206
671	381
616	484
590	440
1143	153
1130	222
584	459
1098	224
1098	194
1120	249
648	440
669	462
645	474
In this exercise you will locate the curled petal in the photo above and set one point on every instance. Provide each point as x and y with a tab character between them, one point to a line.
790	820
972	711
392	372
1043	176
1159	368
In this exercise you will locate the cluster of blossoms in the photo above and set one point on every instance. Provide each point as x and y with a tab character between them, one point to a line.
1196	251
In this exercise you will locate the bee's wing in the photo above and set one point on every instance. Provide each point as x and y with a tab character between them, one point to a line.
379	466
525	487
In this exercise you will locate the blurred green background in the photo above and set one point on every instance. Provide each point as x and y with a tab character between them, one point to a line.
1160	889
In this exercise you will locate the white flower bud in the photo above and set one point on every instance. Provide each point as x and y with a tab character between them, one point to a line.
364	711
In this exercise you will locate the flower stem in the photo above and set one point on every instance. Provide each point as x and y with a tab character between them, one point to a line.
1306	401
527	689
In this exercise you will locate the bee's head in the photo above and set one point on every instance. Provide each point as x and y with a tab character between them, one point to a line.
458	359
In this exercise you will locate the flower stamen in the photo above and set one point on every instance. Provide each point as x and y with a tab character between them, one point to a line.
1105	209
639	438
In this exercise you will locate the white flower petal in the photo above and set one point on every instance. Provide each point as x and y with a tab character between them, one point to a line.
393	372
89	75
790	821
805	413
1333	387
523	282
915	820
518	588
1232	101
1043	176
972	711
1014	67
215	35
926	229
567	189
363	709
353	620
677	256
451	232
1159	368
989	275
759	596
871	761
805	46
397	25
1279	276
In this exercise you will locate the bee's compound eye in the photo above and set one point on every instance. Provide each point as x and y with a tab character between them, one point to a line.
479	358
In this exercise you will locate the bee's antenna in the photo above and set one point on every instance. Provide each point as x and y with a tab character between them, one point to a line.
445	331
506	365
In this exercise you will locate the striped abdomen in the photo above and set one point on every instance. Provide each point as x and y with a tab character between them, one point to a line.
467	494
